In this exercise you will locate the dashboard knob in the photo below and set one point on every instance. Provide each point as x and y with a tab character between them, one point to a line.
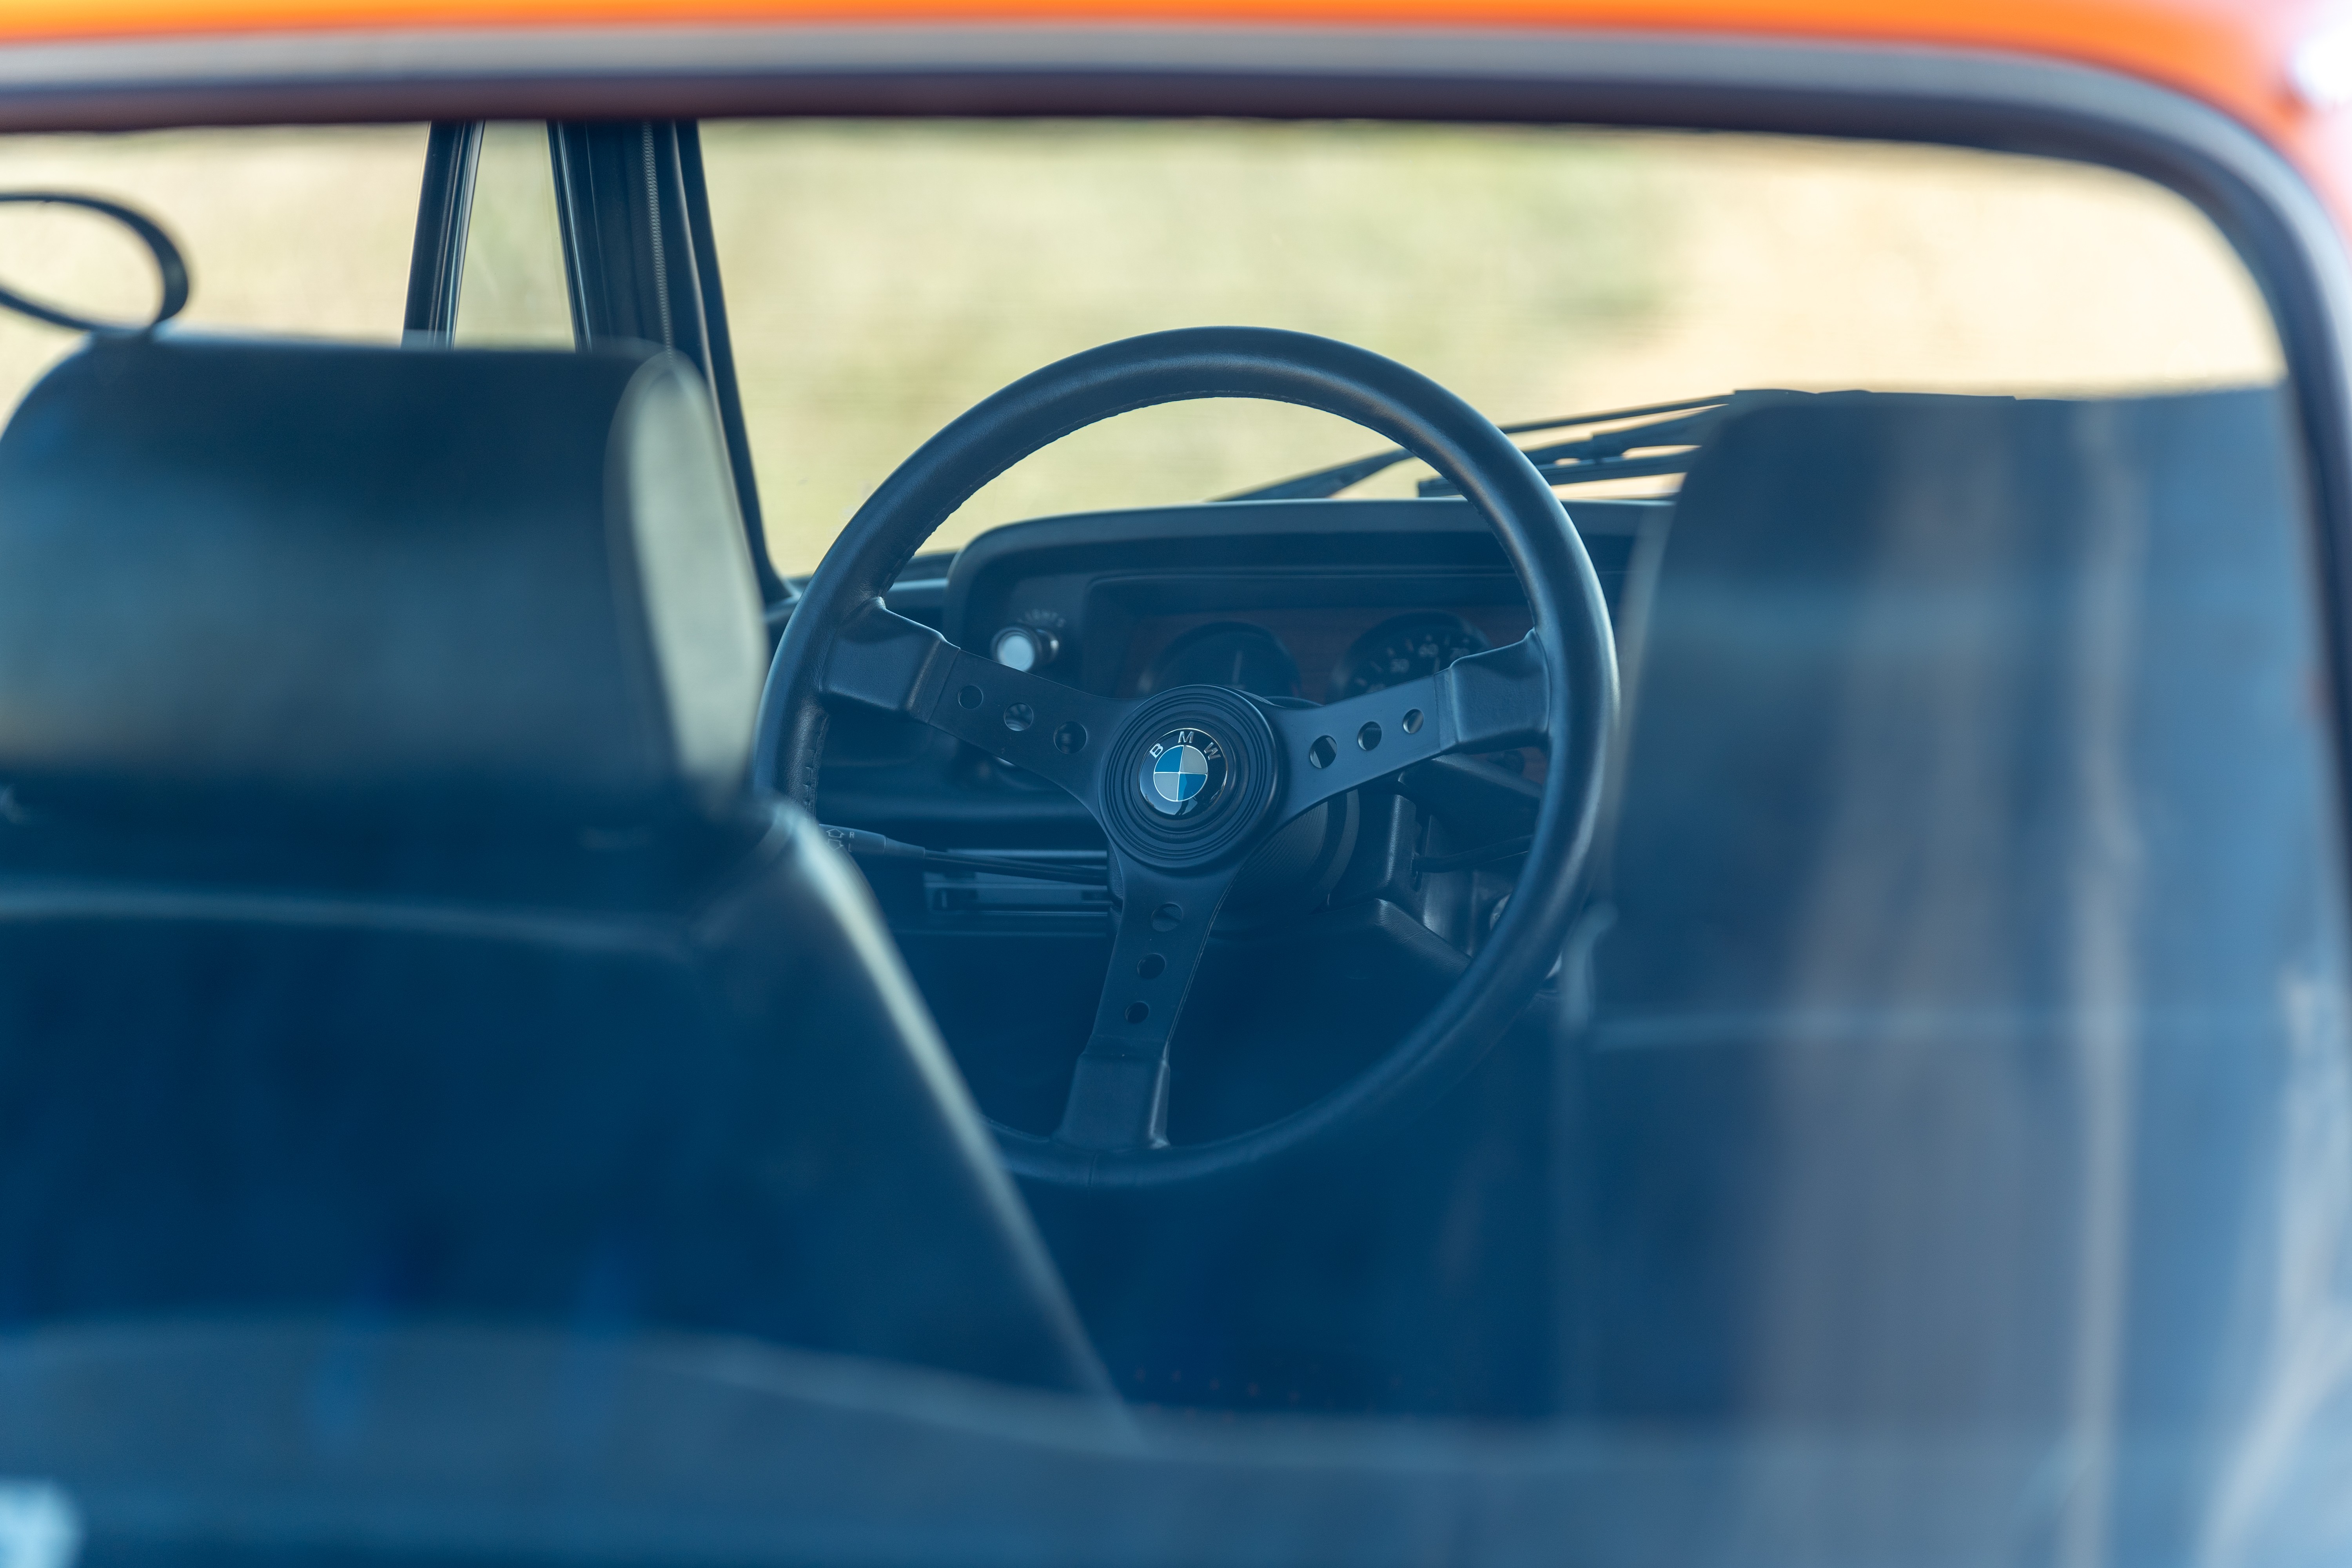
1024	647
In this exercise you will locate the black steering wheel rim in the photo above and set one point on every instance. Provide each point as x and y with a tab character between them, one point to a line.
1571	642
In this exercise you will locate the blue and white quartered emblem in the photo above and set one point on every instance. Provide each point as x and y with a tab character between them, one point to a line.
1180	773
1184	772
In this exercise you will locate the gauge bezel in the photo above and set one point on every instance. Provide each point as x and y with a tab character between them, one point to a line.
1381	636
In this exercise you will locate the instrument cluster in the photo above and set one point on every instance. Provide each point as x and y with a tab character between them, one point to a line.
1255	657
1290	600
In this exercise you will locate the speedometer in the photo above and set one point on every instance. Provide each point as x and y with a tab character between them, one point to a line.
1401	649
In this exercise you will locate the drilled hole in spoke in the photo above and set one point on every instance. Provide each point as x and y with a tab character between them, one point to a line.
1070	739
1323	751
1367	737
1138	1011
969	696
1020	716
1411	721
1152	967
1168	917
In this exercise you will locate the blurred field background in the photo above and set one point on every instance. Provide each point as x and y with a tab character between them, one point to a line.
301	230
882	277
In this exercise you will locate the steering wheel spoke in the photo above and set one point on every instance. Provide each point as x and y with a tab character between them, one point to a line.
1118	1096
1059	732
1487	702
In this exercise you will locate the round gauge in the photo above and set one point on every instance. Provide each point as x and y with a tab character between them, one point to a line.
1225	652
1401	649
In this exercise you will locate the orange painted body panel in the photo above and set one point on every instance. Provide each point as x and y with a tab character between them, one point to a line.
2230	54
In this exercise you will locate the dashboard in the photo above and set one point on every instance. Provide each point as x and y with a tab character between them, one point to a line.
1307	600
1290	601
1307	652
1295	602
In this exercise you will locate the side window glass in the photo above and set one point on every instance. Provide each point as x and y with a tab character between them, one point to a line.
514	292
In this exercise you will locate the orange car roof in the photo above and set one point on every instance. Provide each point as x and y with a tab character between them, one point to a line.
2234	54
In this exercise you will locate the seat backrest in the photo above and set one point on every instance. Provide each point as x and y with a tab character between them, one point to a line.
1977	842
385	929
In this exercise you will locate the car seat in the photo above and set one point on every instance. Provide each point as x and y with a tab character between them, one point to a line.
386	929
1975	846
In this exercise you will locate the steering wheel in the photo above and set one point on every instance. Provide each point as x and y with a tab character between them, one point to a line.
1186	783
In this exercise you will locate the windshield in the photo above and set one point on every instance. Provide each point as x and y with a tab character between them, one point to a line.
478	1080
882	277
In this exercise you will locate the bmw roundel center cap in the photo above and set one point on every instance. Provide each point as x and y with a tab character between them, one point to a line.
1183	773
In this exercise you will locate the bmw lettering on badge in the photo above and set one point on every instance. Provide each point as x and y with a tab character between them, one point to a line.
1183	773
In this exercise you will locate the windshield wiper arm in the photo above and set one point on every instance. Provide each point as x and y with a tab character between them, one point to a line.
1601	456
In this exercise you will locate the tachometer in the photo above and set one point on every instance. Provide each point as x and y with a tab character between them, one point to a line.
1404	647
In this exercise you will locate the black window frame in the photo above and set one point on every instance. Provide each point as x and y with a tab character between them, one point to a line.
640	261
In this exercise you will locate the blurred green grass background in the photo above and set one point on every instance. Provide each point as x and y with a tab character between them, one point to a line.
881	278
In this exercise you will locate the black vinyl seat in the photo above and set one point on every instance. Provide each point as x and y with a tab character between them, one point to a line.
1971	881
386	931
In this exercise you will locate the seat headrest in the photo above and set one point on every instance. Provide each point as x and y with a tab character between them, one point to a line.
1895	642
402	583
